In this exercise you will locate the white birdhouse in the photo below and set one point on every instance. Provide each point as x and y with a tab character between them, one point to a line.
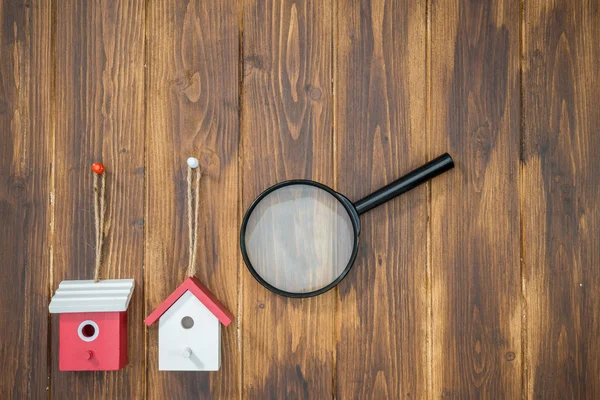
189	329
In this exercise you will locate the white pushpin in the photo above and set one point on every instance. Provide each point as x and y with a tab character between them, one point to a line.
187	352
193	162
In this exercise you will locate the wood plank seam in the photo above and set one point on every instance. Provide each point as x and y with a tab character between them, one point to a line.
52	194
429	295
336	316
240	163
144	285
522	246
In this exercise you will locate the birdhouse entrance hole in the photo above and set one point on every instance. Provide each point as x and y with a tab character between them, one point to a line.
187	322
88	331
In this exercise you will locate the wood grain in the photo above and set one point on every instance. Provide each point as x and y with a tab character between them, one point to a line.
561	65
483	283
25	210
192	110
99	74
379	88
287	343
475	266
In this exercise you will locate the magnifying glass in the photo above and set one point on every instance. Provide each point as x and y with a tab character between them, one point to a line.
299	238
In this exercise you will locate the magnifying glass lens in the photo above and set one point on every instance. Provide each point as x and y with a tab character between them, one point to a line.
299	238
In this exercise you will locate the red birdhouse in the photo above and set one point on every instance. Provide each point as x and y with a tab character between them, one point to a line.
93	324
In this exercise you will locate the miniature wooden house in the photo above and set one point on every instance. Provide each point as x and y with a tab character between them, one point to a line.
189	332
93	324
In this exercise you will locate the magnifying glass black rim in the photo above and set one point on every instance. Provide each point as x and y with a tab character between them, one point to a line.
352	213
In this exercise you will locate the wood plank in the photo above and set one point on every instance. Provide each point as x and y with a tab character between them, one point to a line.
287	343
99	117
26	133
380	111
475	223
193	74
561	65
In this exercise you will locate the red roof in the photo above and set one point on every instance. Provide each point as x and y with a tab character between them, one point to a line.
202	293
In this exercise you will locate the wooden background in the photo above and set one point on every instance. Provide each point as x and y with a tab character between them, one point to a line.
483	283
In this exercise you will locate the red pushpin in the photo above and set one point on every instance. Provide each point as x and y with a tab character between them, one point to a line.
98	168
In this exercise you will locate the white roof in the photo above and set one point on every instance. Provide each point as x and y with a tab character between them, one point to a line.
89	296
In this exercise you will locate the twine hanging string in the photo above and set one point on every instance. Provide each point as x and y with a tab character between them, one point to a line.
99	211
193	201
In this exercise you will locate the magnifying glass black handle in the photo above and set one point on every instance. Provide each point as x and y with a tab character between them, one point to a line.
409	181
